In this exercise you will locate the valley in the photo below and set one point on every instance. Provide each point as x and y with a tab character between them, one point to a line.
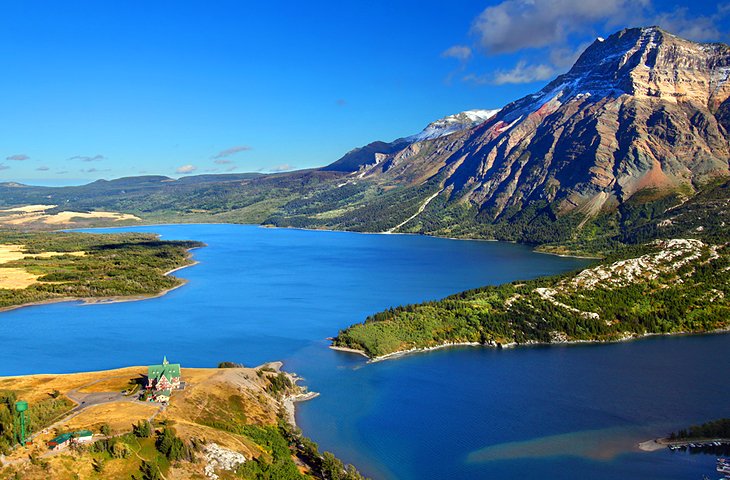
618	168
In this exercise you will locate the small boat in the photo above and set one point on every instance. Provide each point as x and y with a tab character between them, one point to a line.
723	466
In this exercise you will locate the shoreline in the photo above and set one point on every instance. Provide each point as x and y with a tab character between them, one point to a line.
305	229
566	255
568	343
290	405
394	355
289	402
114	299
349	350
661	443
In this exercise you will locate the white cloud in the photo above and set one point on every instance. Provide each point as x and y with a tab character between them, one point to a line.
459	52
20	157
222	161
521	73
281	168
186	169
3	166
693	27
43	168
514	25
551	35
232	151
87	158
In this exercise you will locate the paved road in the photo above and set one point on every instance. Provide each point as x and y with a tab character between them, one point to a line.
86	400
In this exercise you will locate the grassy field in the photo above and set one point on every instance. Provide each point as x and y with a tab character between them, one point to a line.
33	388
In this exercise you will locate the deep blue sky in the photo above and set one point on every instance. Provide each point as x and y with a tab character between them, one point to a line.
106	89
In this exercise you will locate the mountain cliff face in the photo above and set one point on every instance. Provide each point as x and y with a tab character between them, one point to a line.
641	111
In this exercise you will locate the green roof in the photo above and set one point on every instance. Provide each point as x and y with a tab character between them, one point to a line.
168	370
66	436
61	438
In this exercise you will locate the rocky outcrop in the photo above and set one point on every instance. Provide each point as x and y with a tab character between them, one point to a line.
219	458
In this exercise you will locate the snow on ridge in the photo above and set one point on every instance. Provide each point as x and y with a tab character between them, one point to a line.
453	123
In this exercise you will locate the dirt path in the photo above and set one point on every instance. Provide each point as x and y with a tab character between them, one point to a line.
420	211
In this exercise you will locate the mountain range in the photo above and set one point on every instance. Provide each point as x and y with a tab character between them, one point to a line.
637	127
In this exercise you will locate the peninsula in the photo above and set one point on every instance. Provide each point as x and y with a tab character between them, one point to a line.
44	267
219	423
665	287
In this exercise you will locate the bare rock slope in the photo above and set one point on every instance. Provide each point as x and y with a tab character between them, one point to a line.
640	111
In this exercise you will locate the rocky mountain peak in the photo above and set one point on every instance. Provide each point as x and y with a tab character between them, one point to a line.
453	123
373	153
645	63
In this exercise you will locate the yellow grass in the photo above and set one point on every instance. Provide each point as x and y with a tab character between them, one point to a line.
67	217
113	384
55	254
19	278
119	416
9	253
37	387
36	214
21	219
16	278
197	375
28	209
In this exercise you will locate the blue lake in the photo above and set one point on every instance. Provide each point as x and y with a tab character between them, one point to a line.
261	295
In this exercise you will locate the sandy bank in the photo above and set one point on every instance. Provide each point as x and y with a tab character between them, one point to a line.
349	350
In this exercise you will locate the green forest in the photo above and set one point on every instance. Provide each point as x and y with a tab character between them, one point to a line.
38	416
714	429
112	265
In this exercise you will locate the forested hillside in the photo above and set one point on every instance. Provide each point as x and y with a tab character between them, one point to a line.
668	286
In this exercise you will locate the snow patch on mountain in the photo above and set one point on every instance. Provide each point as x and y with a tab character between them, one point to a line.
453	123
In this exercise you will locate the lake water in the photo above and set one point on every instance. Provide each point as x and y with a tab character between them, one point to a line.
261	295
